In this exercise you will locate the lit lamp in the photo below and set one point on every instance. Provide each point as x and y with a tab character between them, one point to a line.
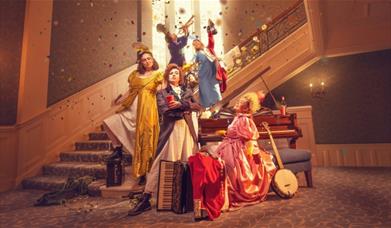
318	91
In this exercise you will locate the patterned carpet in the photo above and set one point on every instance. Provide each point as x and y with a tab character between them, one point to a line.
342	197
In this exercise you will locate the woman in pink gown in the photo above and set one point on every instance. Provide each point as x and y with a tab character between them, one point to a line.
249	169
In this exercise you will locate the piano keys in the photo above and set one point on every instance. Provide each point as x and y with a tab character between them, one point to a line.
281	126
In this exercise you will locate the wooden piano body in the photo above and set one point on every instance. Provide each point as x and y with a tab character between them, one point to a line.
281	126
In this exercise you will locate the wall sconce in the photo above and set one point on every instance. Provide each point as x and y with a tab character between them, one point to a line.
317	91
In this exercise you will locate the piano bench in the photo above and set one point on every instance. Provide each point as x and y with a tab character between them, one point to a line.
297	160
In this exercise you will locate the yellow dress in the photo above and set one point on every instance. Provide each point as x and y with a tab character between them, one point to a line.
147	122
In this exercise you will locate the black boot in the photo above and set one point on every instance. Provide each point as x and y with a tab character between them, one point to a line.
117	153
142	205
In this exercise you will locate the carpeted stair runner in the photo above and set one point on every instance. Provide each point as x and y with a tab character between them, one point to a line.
87	159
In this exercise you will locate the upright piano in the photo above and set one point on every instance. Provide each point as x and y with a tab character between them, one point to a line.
281	126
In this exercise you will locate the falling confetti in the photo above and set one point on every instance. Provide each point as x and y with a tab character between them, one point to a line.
55	23
182	11
132	22
91	4
144	33
167	2
78	4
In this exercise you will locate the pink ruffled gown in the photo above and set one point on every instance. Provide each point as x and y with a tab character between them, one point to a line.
248	177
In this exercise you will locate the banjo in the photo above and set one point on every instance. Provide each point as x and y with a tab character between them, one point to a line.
284	182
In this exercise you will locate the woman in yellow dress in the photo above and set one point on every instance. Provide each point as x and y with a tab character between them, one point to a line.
135	127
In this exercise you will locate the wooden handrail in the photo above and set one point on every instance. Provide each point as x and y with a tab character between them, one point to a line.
274	21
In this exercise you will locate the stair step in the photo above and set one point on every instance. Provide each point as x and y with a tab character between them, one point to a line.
101	135
85	156
91	156
45	182
94	145
55	183
94	187
76	169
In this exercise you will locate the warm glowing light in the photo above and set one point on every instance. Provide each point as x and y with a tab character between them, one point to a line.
311	85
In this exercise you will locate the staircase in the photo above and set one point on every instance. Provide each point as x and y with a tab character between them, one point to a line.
87	159
244	62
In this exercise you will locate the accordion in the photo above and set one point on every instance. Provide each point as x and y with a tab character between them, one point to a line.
174	187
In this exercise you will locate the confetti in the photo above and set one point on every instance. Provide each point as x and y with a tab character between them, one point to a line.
218	22
78	4
55	23
182	11
144	33
91	4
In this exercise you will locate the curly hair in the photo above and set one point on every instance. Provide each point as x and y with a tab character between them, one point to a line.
253	101
168	70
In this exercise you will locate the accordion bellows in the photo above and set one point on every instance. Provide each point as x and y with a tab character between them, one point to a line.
174	187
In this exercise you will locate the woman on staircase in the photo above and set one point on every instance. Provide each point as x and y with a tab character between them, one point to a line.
135	127
178	139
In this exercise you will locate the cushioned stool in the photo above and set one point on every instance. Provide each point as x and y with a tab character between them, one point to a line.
296	160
